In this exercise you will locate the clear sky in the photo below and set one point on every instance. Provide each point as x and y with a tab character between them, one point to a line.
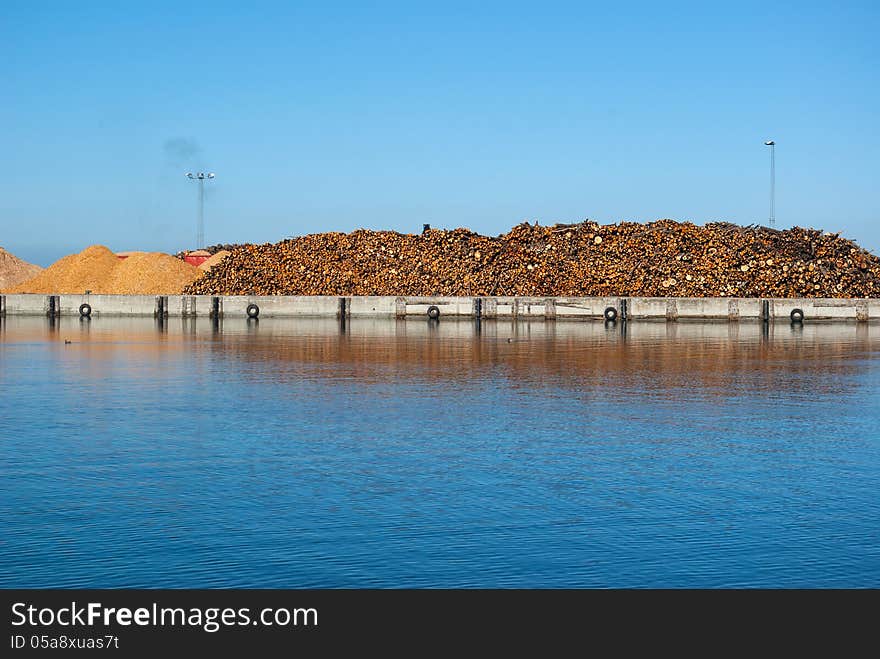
325	116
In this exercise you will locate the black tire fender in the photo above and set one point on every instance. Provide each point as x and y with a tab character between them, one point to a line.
797	315
610	313
85	310
253	311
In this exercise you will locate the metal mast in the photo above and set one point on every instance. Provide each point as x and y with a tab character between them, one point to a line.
200	225
772	146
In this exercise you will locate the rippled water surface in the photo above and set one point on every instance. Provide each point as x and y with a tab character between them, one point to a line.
401	454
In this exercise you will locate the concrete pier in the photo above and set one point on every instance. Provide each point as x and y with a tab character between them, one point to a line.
486	308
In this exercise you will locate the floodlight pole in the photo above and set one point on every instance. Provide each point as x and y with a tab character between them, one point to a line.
200	226
772	146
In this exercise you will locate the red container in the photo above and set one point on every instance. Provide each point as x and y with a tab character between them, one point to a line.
197	258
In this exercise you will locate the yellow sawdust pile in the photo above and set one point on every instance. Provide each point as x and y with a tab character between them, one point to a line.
14	271
74	273
99	270
214	260
148	273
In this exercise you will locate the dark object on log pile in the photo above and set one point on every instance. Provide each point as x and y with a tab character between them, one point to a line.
662	259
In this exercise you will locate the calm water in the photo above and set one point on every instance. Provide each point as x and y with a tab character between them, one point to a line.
293	454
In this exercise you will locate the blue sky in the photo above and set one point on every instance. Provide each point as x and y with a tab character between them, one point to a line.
333	116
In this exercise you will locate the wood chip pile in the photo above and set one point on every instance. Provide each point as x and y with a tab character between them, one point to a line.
14	271
99	270
663	258
214	260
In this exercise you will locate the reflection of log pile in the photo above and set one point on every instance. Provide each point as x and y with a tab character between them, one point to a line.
722	361
663	258
574	357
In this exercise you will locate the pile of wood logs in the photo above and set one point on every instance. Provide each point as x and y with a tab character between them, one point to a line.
663	258
211	249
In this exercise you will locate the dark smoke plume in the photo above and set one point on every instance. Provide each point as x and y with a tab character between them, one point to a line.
181	149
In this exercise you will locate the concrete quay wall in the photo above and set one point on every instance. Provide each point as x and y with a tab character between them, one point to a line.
486	308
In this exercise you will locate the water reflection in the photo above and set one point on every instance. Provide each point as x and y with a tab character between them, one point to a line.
563	351
720	360
279	453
